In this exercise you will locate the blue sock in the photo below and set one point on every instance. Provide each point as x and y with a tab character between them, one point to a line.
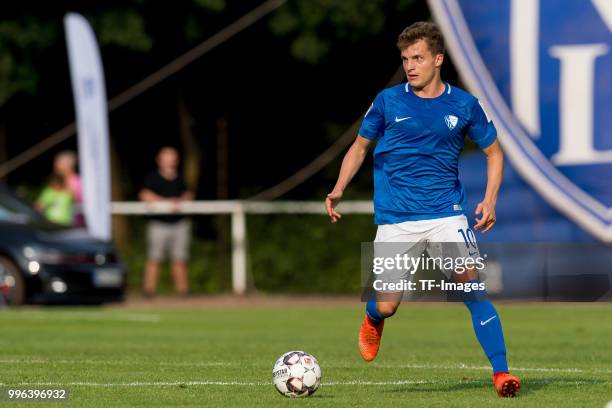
488	328
372	311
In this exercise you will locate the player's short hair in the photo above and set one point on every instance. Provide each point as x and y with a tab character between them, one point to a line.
422	30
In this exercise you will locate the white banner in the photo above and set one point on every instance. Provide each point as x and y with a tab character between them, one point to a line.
88	88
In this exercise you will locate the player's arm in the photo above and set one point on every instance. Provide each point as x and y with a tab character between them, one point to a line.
350	164
495	170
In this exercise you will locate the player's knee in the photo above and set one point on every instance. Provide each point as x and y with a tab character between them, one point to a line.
387	309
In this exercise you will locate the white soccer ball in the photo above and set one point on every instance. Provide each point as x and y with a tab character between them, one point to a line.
296	374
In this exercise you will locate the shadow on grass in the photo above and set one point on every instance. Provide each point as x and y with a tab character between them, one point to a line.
460	385
528	386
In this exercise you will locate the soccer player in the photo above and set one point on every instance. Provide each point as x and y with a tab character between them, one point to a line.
419	127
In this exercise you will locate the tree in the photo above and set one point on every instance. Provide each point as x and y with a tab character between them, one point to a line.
27	38
314	25
21	40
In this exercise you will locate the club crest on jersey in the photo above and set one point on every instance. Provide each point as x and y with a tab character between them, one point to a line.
541	71
451	121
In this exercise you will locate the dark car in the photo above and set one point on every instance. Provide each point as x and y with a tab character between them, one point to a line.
42	262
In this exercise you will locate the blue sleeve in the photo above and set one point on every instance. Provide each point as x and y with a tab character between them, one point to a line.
481	129
373	124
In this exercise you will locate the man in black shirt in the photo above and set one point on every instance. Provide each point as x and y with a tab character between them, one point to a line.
167	232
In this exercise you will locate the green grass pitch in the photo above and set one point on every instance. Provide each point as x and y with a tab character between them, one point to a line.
223	357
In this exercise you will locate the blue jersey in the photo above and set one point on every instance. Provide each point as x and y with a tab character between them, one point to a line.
417	153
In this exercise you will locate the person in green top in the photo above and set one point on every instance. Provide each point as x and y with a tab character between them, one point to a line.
56	201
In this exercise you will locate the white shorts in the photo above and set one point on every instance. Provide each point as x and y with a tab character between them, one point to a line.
436	230
442	238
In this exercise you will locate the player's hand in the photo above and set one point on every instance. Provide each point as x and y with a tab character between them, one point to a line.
331	201
488	218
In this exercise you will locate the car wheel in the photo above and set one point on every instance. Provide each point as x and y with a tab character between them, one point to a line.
12	287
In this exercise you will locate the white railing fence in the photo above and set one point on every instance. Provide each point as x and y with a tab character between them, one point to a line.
238	210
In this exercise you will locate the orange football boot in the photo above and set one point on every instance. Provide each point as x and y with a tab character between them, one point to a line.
369	338
506	385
